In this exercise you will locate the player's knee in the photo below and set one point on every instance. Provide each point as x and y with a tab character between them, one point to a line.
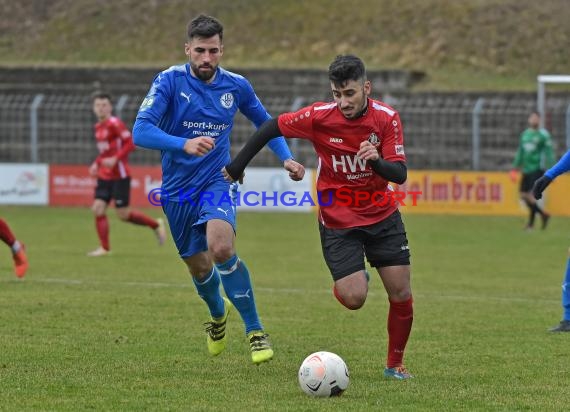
200	272
354	301
401	294
350	299
98	210
123	214
199	265
221	251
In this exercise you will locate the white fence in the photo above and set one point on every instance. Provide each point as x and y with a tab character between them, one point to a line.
450	131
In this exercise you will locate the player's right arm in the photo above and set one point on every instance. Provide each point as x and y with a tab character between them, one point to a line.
94	168
146	132
253	109
199	146
127	144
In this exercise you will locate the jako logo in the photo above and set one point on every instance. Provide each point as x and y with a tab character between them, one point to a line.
335	140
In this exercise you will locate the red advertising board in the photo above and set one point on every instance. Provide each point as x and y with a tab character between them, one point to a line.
71	185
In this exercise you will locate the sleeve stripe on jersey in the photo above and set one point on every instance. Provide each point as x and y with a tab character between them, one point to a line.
325	107
122	170
384	109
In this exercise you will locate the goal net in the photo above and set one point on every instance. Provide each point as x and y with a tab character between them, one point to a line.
554	109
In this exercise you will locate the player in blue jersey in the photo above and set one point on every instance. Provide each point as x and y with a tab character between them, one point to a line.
188	115
540	185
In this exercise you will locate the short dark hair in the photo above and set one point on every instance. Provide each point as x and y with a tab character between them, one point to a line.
346	67
99	94
205	26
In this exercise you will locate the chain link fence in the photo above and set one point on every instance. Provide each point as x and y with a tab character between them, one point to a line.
451	131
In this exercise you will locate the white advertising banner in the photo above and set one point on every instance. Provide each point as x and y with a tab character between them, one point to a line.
24	184
271	189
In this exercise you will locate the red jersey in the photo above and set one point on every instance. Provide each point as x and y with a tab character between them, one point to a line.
340	174
113	139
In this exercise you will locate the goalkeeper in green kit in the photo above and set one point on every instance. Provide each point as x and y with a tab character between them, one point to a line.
534	156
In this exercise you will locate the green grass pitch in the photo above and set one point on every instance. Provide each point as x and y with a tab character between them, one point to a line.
124	332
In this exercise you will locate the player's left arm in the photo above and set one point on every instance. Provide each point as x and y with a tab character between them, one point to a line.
387	161
396	172
253	109
127	144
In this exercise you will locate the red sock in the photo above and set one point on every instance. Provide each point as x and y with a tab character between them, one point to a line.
139	218
400	320
102	225
6	234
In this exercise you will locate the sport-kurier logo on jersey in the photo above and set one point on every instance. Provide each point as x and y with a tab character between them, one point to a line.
227	100
373	138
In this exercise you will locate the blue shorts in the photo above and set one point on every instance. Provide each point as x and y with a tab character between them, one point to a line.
187	219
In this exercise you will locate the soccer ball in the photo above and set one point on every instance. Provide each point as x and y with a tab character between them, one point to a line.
323	374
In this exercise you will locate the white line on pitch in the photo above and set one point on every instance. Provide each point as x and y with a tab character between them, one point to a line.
291	290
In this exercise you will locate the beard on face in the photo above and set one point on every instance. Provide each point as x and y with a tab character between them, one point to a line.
357	109
202	74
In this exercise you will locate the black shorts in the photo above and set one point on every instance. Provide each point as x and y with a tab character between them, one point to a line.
119	189
384	244
528	180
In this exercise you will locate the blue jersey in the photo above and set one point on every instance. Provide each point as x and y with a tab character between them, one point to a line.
179	106
562	166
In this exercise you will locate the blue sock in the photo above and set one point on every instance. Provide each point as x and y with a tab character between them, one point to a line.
566	292
235	278
209	291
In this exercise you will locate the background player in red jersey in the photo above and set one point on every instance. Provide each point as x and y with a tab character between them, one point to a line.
114	142
359	142
18	252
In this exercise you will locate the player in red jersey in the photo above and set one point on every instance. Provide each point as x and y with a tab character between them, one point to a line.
111	168
18	252
359	143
